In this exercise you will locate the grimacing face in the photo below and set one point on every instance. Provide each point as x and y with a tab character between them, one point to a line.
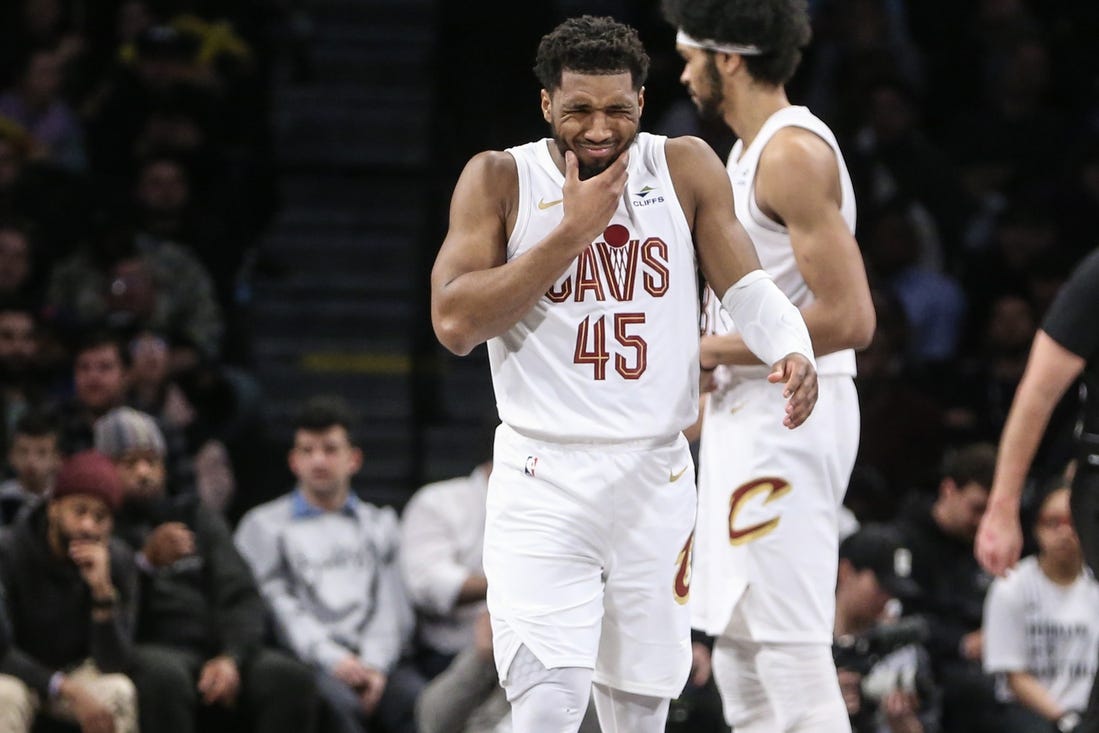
596	116
703	81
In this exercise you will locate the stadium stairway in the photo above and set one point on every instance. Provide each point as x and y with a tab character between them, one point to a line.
345	309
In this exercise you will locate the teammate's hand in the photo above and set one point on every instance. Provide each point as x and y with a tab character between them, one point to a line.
800	379
589	205
999	539
706	381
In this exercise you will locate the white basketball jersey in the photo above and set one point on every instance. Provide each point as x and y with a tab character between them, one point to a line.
771	239
610	352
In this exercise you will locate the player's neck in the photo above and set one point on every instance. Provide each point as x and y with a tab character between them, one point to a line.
753	105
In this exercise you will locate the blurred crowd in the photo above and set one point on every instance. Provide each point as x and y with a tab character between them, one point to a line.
135	185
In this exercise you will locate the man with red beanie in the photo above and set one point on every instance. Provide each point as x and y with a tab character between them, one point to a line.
69	597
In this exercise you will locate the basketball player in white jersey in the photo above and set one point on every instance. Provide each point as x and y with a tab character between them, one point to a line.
574	257
767	539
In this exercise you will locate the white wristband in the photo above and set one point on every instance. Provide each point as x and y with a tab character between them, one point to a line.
771	326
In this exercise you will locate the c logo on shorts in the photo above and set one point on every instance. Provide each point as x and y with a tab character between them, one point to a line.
774	488
681	587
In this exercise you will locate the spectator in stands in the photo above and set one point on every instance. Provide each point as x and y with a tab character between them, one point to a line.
168	211
136	282
1041	632
36	104
99	384
20	376
933	302
34	458
442	533
891	155
940	530
70	591
326	562
154	389
888	687
467	696
18	277
901	434
33	192
100	380
200	621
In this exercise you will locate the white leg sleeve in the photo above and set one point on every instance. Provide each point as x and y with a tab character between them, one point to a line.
792	688
546	700
771	326
625	712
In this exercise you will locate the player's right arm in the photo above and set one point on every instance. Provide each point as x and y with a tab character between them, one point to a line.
1050	369
476	293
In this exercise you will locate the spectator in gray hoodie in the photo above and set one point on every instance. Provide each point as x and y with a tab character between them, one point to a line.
314	552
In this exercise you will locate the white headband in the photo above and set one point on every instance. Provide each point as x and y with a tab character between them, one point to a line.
682	39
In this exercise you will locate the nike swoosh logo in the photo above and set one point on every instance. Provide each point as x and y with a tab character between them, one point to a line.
673	477
543	204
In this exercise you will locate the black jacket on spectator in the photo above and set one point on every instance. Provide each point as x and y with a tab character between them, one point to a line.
49	608
953	584
207	602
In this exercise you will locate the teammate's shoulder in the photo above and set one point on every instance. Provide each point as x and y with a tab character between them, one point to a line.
798	148
689	145
690	156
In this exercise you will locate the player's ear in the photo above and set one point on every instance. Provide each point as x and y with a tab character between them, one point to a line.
640	101
547	107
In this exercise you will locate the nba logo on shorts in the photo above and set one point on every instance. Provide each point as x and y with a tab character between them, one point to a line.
532	461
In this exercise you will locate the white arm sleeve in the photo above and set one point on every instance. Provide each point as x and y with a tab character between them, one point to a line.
771	326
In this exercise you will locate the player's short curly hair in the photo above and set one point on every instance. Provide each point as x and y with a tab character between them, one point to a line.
590	45
780	27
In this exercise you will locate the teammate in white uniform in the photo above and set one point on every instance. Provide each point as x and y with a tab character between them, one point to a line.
575	258
767	538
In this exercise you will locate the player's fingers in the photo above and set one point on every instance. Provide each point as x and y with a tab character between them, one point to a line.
778	372
572	167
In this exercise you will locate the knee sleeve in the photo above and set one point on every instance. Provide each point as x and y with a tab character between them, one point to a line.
546	700
744	700
17	706
626	712
791	688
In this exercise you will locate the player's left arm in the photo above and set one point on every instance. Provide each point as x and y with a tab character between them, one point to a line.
770	325
798	184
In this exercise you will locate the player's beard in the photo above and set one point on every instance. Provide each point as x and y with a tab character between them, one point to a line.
588	171
711	106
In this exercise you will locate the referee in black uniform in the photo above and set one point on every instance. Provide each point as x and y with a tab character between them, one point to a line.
1065	347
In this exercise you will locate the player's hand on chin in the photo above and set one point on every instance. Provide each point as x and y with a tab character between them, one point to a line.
799	378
